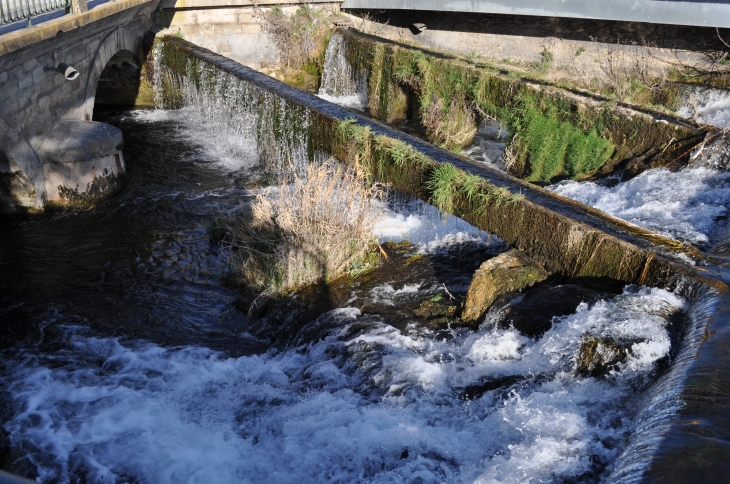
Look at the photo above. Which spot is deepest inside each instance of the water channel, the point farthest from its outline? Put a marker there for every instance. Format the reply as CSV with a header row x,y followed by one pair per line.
x,y
126,357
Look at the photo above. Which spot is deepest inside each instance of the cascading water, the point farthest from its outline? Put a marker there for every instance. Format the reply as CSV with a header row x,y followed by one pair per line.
x,y
691,204
244,121
489,144
706,105
342,83
347,397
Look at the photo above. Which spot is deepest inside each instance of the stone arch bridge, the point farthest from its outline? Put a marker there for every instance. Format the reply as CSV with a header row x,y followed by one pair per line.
x,y
50,150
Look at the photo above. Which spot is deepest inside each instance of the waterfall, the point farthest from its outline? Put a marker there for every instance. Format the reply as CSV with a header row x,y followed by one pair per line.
x,y
342,83
707,105
244,120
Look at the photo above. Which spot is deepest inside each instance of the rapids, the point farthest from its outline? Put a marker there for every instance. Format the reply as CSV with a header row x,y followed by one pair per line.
x,y
134,363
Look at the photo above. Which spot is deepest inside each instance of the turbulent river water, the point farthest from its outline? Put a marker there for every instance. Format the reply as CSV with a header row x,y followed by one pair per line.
x,y
125,358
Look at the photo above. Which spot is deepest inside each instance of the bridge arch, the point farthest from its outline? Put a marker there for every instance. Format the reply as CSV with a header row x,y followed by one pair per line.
x,y
120,42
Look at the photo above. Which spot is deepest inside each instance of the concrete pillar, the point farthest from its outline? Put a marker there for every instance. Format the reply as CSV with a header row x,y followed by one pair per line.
x,y
79,6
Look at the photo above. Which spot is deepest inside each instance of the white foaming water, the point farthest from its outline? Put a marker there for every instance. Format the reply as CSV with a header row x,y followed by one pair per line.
x,y
489,144
684,205
341,83
424,226
366,403
707,105
227,150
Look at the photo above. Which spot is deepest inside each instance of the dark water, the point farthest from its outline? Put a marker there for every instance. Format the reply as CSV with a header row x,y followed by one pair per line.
x,y
140,264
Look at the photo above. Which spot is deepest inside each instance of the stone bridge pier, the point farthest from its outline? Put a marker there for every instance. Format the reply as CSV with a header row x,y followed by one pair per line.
x,y
51,152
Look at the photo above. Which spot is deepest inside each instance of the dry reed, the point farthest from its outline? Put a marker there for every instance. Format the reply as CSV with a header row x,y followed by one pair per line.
x,y
316,229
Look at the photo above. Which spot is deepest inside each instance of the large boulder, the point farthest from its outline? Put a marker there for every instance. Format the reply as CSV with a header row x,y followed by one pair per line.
x,y
508,272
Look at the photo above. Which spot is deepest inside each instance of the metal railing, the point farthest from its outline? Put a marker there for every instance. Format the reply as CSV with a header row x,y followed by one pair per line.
x,y
14,10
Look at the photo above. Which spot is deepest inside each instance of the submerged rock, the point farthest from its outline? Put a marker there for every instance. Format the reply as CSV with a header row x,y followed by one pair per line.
x,y
437,311
597,357
508,272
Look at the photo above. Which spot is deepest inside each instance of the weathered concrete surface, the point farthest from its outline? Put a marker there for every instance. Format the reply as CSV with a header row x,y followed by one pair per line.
x,y
82,162
80,141
232,28
579,47
506,273
33,101
705,13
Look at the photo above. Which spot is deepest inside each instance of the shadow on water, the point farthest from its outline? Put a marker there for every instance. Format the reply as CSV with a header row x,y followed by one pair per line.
x,y
140,264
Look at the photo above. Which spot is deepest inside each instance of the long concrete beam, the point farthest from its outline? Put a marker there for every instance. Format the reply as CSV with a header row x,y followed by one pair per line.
x,y
702,13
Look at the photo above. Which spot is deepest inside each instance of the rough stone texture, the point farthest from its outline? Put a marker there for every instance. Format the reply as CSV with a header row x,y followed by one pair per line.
x,y
508,272
597,357
232,29
71,141
82,162
83,183
33,101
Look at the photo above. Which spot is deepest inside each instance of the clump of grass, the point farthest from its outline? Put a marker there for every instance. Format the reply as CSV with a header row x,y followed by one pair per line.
x,y
317,229
449,186
550,148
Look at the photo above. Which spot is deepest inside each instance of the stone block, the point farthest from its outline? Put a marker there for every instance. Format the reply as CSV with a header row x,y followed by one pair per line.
x,y
44,103
506,273
25,81
30,65
4,76
38,75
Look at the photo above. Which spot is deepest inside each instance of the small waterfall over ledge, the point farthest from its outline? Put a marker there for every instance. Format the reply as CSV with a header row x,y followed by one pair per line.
x,y
342,83
245,121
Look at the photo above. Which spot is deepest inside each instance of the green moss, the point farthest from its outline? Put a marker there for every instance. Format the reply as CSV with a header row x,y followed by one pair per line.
x,y
555,134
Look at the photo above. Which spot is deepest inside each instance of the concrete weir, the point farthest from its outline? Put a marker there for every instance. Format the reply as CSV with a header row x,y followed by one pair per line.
x,y
566,236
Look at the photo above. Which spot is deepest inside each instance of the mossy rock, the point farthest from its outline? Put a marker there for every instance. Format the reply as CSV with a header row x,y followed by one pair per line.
x,y
508,272
597,357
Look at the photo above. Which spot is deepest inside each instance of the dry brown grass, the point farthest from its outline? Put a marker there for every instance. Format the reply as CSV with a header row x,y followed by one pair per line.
x,y
315,229
300,38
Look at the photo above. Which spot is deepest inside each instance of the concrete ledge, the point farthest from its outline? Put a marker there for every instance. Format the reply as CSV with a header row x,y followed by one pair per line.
x,y
706,13
203,4
83,183
82,162
80,141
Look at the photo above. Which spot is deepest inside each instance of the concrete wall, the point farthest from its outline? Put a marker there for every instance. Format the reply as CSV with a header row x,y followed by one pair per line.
x,y
707,13
33,101
579,46
231,27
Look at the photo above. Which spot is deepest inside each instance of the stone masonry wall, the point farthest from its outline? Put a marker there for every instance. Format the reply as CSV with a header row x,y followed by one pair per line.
x,y
32,101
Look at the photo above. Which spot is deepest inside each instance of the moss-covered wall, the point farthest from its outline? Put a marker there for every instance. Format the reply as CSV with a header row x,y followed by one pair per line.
x,y
567,238
554,133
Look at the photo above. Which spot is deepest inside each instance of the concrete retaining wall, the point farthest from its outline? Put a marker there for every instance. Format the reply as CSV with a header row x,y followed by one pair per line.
x,y
232,28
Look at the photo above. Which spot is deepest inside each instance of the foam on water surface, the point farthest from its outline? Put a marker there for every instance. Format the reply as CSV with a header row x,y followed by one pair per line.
x,y
685,205
426,227
365,403
707,105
